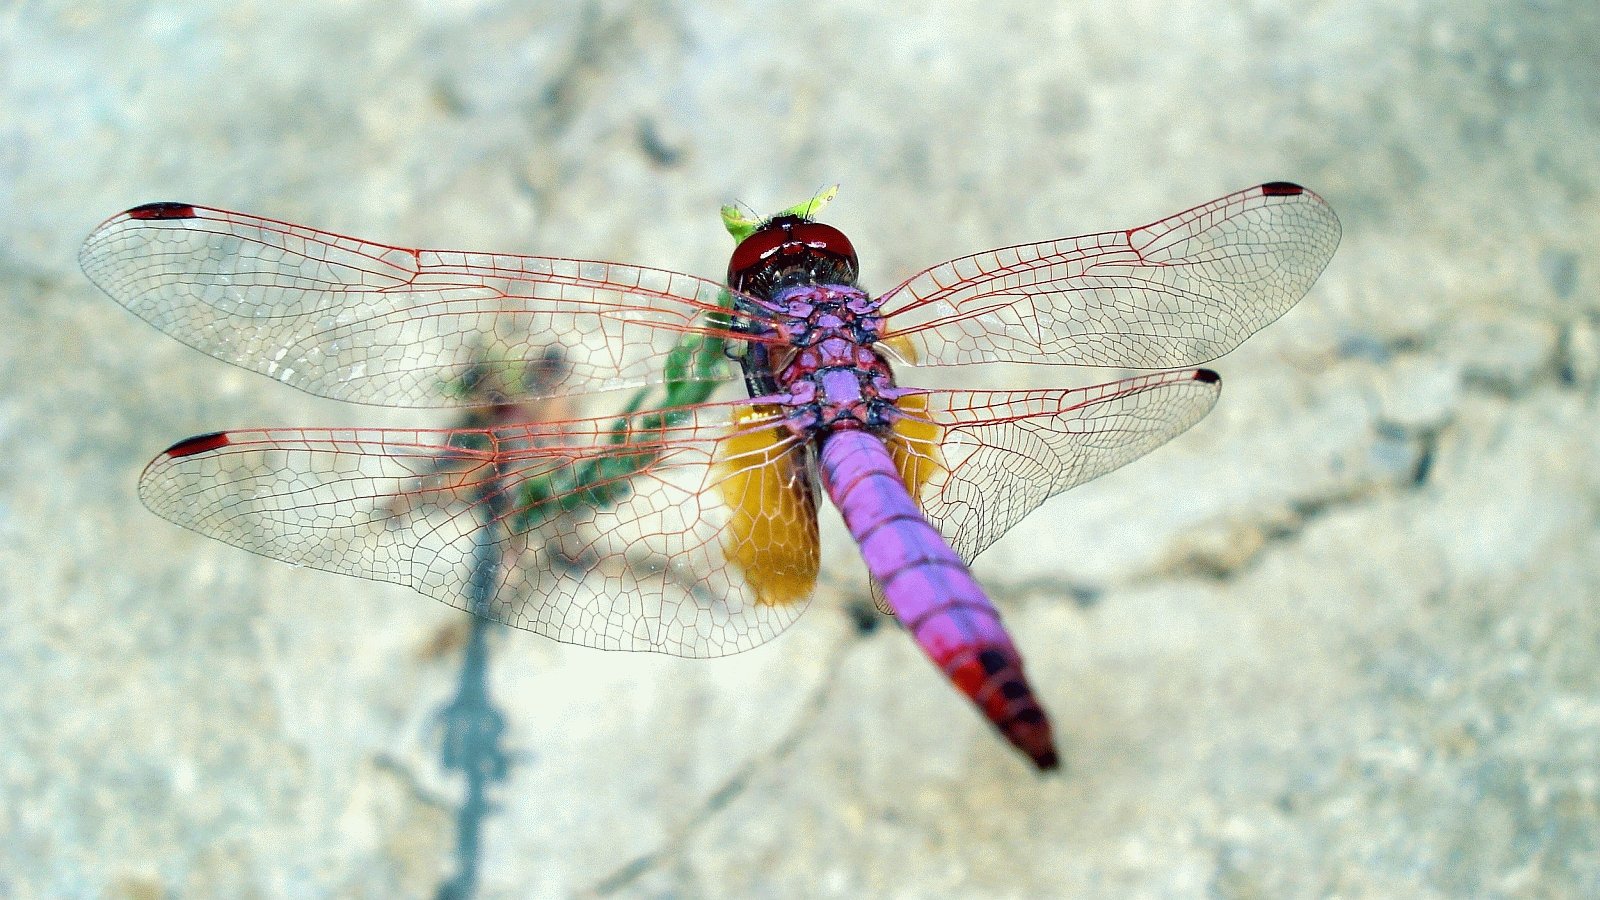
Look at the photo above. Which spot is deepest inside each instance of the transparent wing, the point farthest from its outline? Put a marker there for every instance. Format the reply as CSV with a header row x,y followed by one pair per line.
x,y
981,460
1177,292
691,533
354,320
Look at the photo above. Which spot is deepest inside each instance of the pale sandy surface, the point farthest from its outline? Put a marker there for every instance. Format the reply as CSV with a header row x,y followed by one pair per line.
x,y
1344,636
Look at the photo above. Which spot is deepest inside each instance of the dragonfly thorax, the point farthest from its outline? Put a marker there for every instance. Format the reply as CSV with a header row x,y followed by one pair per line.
x,y
809,314
835,377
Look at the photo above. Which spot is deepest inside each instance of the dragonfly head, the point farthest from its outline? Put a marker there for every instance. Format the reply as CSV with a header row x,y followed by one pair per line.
x,y
791,249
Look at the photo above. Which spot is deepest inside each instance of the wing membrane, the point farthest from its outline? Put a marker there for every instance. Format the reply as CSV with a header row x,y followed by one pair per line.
x,y
985,459
354,320
642,543
1178,292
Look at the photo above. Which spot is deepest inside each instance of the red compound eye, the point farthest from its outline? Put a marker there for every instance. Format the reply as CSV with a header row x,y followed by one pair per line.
x,y
825,239
754,252
786,242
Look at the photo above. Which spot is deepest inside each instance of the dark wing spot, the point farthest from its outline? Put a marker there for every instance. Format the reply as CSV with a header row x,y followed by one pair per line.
x,y
162,211
200,443
1282,189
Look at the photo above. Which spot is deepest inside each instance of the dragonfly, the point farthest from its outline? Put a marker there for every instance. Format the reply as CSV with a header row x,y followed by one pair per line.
x,y
689,525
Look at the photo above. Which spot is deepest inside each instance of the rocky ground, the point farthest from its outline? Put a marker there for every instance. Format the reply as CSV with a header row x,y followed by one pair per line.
x,y
1341,638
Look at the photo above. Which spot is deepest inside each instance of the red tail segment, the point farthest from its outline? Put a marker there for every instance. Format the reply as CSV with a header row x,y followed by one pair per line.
x,y
931,591
992,676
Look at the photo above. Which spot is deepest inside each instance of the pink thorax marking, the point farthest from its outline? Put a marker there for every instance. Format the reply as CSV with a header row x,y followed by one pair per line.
x,y
836,378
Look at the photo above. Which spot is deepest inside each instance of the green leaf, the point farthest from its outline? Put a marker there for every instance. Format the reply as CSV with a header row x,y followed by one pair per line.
x,y
741,226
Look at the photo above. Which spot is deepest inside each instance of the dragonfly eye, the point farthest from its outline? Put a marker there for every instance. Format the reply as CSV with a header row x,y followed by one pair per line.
x,y
824,239
788,243
753,254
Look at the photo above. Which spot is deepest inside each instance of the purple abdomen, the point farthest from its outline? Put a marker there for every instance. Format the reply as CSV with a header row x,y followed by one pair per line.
x,y
931,591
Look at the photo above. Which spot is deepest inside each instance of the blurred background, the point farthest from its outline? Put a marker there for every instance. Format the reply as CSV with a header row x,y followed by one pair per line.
x,y
1340,638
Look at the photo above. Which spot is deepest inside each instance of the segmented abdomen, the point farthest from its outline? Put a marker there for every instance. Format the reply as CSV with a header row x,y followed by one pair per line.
x,y
931,591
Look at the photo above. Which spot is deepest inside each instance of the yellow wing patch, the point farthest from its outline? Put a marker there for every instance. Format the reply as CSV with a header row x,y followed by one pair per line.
x,y
901,346
914,441
914,445
772,536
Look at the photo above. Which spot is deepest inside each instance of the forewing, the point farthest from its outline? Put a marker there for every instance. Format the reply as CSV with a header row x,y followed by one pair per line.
x,y
354,320
643,543
1174,293
978,461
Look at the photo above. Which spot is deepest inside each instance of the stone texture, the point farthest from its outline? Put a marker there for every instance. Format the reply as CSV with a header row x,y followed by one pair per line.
x,y
1341,638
